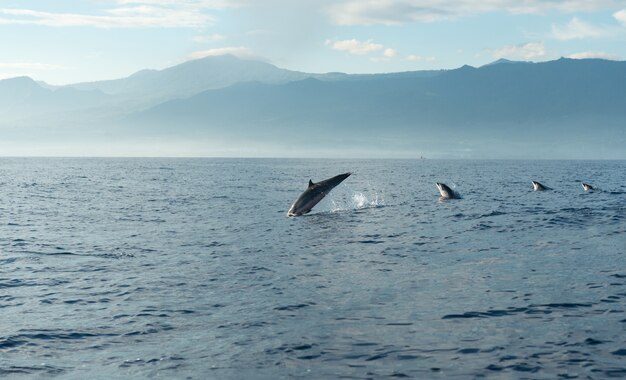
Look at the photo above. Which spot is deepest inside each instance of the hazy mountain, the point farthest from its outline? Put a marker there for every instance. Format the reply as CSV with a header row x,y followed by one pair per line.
x,y
22,97
503,109
192,77
499,93
534,104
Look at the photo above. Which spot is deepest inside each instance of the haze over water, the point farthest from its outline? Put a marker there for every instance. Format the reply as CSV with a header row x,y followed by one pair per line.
x,y
189,268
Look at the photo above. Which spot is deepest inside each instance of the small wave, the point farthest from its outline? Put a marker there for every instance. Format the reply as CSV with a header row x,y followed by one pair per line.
x,y
31,370
293,307
172,362
492,213
531,309
39,337
63,253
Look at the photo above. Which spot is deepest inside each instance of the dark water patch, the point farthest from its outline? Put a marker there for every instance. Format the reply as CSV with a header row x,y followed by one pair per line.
x,y
16,283
7,261
491,214
617,373
408,357
371,241
36,370
19,242
212,244
531,309
382,355
10,342
293,307
51,253
482,226
487,314
301,351
61,335
364,344
12,283
508,358
248,325
116,255
594,342
468,350
37,338
563,305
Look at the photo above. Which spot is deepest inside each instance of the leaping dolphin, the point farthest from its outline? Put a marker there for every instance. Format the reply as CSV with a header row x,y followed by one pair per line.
x,y
314,194
445,191
587,187
539,187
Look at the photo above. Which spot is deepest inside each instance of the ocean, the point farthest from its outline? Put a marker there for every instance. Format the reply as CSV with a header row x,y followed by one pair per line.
x,y
190,269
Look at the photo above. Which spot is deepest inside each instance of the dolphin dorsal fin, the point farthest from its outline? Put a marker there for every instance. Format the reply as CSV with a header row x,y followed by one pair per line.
x,y
311,183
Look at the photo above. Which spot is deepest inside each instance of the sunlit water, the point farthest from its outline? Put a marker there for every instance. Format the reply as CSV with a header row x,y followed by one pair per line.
x,y
175,268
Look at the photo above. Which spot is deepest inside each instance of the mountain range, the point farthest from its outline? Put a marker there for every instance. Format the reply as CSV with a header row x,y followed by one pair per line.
x,y
228,106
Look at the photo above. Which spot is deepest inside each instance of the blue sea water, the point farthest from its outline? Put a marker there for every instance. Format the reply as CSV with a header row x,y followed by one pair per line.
x,y
190,268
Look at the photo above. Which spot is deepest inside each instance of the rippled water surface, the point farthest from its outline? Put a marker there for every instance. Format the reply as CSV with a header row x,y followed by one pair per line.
x,y
176,268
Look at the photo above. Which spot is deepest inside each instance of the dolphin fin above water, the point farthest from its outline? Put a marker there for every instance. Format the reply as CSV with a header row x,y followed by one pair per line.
x,y
314,193
445,191
587,187
539,187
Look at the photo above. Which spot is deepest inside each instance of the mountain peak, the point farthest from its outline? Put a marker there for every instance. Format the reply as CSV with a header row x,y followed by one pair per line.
x,y
503,61
192,77
21,79
19,84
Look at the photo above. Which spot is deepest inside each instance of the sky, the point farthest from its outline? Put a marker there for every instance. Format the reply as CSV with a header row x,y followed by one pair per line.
x,y
70,41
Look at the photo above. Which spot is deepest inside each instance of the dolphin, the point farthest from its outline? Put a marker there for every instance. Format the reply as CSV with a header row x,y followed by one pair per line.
x,y
445,191
587,187
539,187
314,193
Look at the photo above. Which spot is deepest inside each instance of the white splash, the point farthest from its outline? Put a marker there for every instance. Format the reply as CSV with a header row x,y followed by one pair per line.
x,y
358,201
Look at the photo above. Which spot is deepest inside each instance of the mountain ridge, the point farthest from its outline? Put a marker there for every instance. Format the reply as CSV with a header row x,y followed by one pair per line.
x,y
494,109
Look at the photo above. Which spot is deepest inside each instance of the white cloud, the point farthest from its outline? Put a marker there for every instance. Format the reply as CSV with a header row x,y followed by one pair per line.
x,y
577,29
415,58
241,52
355,47
390,12
390,53
213,4
126,14
525,51
620,16
594,54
